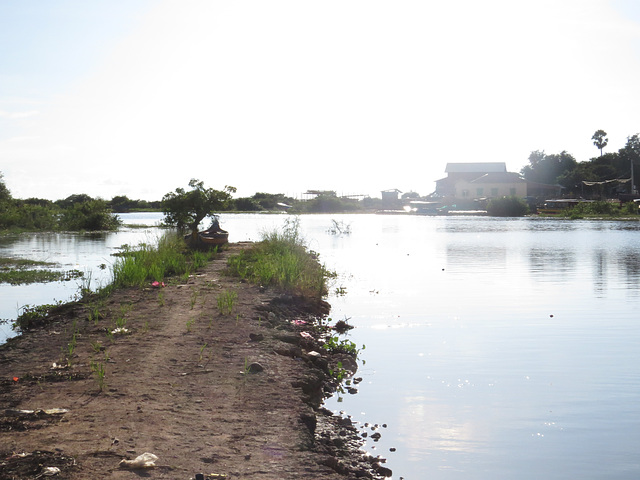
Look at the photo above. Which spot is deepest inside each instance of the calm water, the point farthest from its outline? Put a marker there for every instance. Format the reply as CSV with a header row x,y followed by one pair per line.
x,y
495,349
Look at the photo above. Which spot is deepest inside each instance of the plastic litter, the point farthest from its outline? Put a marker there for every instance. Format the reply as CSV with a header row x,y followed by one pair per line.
x,y
146,460
50,471
34,413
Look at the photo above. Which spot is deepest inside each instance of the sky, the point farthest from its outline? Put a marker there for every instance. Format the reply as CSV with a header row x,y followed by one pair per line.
x,y
136,97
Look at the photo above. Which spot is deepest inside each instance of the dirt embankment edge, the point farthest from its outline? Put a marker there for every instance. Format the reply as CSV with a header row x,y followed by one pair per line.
x,y
229,394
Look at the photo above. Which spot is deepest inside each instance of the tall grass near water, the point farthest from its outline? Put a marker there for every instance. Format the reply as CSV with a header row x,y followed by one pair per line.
x,y
147,263
282,260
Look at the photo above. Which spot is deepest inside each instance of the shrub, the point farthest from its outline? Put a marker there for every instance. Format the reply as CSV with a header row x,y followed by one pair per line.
x,y
507,207
89,215
593,208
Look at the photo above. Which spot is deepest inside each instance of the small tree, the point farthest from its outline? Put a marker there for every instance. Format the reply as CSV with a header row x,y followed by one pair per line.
x,y
5,194
186,209
600,139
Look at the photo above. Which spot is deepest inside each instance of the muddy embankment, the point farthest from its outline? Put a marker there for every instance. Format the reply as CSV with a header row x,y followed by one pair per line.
x,y
226,393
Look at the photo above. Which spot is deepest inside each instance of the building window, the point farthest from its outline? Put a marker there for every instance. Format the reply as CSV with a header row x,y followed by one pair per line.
x,y
494,192
479,191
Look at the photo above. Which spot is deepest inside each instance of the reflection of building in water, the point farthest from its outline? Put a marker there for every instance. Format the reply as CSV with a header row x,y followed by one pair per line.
x,y
551,262
487,256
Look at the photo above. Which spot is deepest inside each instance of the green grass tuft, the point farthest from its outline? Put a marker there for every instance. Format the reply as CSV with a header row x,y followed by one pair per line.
x,y
282,260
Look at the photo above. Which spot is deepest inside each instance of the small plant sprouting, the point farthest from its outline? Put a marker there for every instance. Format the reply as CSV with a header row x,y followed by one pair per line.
x,y
202,349
97,346
190,324
94,314
247,367
110,335
161,298
71,347
226,301
194,298
121,322
99,371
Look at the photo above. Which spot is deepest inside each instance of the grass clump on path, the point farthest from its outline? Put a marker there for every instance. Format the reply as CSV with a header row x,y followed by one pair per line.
x,y
282,260
146,263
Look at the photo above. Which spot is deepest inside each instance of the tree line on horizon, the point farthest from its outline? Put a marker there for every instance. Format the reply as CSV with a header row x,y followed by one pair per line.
x,y
563,169
82,212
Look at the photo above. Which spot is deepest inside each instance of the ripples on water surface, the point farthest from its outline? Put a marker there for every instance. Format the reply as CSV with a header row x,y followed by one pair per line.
x,y
495,348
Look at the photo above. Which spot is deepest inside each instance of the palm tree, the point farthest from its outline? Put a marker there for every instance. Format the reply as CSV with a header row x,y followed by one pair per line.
x,y
600,139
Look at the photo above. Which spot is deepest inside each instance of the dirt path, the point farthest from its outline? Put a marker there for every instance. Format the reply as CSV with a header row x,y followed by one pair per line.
x,y
184,383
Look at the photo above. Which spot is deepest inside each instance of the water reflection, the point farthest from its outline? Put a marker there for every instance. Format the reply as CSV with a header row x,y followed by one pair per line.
x,y
548,263
487,256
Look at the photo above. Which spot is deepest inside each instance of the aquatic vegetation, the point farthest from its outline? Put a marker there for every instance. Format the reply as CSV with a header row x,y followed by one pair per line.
x,y
335,345
340,291
32,316
19,271
339,228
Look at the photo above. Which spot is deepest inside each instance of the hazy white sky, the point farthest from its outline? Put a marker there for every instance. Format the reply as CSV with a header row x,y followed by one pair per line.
x,y
135,97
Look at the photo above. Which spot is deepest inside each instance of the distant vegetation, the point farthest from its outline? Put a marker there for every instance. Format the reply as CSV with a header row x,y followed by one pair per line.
x,y
323,202
606,176
77,212
601,209
184,208
563,169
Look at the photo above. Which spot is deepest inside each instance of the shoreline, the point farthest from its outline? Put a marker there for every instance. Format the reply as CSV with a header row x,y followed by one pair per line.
x,y
235,394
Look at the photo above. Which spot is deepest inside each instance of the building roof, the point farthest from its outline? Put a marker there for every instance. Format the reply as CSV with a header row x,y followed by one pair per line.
x,y
502,177
478,167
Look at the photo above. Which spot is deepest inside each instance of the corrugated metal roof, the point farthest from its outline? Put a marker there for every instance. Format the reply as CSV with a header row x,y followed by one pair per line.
x,y
478,167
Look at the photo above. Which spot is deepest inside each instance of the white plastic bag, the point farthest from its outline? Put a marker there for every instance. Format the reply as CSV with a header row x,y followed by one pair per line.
x,y
146,460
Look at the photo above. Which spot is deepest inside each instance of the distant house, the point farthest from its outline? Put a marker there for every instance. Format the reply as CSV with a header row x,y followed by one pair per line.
x,y
390,198
469,181
390,195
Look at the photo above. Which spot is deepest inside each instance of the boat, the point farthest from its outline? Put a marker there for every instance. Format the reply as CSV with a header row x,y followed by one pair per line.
x,y
420,207
557,206
212,237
